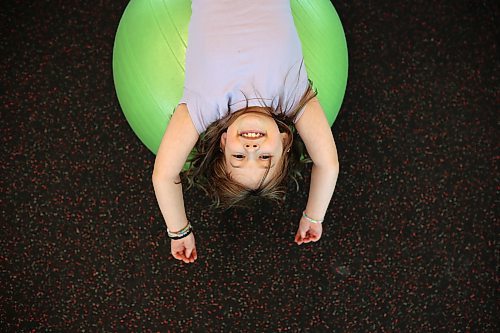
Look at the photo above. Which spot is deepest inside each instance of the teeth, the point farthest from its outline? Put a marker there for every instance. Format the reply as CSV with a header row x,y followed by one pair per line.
x,y
251,135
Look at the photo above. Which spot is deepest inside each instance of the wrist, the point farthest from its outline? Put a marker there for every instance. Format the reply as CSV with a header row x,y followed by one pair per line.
x,y
181,233
311,219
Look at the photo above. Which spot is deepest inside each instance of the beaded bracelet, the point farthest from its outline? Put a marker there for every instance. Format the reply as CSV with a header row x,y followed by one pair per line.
x,y
185,235
304,215
181,233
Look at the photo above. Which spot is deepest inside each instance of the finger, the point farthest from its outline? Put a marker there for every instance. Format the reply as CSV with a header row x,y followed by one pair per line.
x,y
188,253
307,239
195,254
190,258
178,255
303,234
298,239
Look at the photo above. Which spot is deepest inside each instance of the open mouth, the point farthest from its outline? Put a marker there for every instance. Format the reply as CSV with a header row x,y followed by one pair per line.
x,y
252,134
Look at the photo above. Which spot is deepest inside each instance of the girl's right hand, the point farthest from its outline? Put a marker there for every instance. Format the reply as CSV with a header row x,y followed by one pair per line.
x,y
184,249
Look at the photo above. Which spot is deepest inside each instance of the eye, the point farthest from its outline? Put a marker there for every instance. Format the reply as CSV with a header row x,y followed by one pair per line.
x,y
265,157
238,156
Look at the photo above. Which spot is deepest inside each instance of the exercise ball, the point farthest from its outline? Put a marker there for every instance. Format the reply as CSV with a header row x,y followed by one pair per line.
x,y
149,58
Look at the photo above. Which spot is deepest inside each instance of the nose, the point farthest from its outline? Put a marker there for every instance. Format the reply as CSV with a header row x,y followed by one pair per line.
x,y
251,146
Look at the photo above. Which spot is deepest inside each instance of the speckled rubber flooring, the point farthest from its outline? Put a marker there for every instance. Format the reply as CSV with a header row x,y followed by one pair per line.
x,y
409,239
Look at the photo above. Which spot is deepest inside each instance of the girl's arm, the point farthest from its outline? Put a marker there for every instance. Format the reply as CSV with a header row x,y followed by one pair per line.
x,y
177,142
317,135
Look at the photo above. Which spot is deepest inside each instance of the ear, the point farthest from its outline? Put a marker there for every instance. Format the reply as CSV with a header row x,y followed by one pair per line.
x,y
284,137
223,139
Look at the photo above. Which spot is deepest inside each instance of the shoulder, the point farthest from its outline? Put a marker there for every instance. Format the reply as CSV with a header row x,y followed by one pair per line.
x,y
179,139
316,133
181,114
181,123
313,115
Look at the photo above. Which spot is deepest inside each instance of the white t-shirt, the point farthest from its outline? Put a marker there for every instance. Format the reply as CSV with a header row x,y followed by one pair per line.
x,y
241,48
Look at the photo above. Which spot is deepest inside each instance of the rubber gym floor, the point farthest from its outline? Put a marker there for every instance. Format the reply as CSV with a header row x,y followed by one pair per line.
x,y
409,241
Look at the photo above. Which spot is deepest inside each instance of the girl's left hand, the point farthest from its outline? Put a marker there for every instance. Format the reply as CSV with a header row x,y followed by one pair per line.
x,y
308,232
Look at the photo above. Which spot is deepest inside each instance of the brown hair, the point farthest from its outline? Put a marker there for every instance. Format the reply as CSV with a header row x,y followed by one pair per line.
x,y
207,168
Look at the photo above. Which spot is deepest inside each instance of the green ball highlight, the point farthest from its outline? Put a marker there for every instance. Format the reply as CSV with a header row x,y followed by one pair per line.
x,y
150,49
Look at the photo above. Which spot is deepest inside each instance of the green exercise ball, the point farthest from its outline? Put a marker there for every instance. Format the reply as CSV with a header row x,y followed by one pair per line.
x,y
149,58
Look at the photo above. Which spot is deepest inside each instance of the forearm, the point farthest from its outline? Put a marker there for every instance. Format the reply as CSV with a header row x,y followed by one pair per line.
x,y
170,199
323,181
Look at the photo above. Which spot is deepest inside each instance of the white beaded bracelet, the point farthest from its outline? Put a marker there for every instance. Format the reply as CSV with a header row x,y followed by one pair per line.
x,y
304,215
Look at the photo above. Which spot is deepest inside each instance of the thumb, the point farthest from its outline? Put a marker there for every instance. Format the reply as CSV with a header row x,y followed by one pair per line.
x,y
303,233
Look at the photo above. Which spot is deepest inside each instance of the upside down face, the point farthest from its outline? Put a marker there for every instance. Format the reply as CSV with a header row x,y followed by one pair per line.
x,y
251,145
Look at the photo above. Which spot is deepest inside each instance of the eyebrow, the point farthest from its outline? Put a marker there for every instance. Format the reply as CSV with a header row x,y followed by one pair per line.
x,y
262,167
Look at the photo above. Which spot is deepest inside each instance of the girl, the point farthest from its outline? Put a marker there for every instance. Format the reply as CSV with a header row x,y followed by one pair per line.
x,y
246,100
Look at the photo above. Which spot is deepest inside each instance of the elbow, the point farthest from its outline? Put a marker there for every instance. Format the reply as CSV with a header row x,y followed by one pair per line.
x,y
327,171
156,175
334,167
329,165
160,176
334,163
156,178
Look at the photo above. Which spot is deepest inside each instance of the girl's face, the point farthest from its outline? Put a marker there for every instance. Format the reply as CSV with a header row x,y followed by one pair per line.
x,y
251,143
